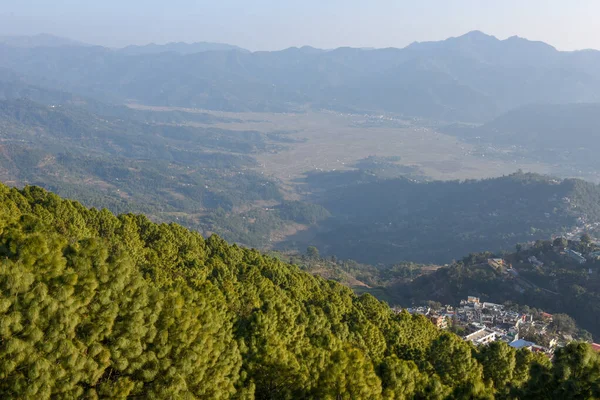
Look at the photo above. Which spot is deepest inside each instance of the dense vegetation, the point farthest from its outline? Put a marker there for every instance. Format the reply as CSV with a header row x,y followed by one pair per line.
x,y
98,306
386,221
354,274
257,227
367,170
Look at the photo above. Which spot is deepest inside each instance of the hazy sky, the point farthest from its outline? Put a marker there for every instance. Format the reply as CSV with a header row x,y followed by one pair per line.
x,y
276,24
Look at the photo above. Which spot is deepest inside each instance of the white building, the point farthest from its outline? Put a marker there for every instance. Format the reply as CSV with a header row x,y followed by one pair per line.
x,y
482,336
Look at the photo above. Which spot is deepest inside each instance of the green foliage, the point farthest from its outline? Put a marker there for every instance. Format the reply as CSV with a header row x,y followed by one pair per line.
x,y
303,213
98,306
560,243
312,252
574,374
452,359
499,362
384,221
563,323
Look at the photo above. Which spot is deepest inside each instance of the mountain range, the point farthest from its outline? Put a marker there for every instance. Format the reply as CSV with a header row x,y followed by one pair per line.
x,y
473,78
40,40
179,48
156,310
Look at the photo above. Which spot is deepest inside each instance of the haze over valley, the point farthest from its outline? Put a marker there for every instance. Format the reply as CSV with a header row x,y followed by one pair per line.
x,y
218,138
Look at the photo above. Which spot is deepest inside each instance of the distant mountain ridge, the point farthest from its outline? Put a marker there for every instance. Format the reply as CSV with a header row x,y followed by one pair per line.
x,y
474,77
486,48
547,125
563,134
180,48
40,40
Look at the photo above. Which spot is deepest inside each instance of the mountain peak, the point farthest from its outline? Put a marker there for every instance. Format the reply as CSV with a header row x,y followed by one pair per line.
x,y
469,38
477,35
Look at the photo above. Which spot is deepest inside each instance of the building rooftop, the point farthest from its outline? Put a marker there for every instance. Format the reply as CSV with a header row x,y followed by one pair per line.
x,y
521,343
480,334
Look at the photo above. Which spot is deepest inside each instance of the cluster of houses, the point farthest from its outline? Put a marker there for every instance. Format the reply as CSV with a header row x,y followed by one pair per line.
x,y
485,322
571,254
482,322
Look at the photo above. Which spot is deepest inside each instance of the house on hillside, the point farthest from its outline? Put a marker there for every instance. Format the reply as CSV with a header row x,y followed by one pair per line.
x,y
522,344
533,260
439,321
595,255
576,256
422,310
497,264
596,347
511,318
493,306
546,316
482,336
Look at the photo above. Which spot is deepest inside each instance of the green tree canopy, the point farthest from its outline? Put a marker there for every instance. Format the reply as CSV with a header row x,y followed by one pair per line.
x,y
98,306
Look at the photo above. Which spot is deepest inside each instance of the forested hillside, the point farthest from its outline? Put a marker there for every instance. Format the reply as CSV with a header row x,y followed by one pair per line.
x,y
98,306
133,160
386,221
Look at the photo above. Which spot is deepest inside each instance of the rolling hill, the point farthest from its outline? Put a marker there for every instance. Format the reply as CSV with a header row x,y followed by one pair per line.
x,y
386,221
123,164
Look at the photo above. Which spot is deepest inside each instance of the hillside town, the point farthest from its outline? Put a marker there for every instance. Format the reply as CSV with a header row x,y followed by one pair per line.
x,y
481,323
